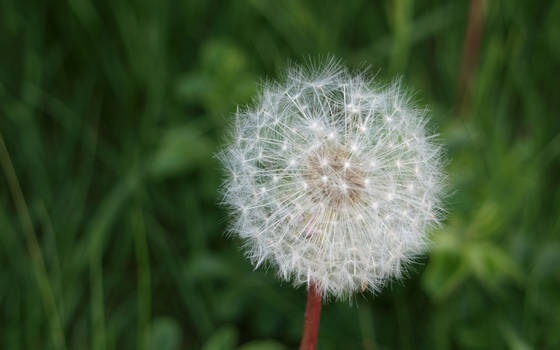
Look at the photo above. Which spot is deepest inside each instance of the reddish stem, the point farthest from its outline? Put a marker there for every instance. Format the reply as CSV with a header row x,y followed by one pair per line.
x,y
471,50
312,318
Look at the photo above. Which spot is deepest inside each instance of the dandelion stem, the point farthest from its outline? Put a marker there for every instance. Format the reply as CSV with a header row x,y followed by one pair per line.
x,y
312,318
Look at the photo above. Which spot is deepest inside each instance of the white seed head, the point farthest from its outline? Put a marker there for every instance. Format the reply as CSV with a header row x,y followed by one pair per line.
x,y
332,180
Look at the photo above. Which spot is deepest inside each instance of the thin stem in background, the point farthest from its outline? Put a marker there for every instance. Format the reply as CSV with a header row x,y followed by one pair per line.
x,y
471,51
312,318
144,290
33,248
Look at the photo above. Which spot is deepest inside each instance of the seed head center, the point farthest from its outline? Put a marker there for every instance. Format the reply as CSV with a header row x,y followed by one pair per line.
x,y
336,175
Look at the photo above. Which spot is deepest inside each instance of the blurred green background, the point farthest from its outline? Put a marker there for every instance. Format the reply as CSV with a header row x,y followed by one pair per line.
x,y
111,111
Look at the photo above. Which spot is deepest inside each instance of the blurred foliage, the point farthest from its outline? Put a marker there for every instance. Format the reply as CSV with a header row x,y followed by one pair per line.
x,y
111,112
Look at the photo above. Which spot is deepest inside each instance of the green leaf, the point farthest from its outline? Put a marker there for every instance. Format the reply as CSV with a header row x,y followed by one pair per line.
x,y
224,339
444,274
514,340
181,149
491,264
165,334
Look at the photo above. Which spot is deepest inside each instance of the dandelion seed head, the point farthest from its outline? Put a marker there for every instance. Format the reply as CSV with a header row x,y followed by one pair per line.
x,y
333,180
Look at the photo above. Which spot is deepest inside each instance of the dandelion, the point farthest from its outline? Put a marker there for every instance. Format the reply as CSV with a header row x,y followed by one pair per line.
x,y
333,181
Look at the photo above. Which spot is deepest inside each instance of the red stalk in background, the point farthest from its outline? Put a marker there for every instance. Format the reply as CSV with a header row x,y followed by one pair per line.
x,y
471,50
312,318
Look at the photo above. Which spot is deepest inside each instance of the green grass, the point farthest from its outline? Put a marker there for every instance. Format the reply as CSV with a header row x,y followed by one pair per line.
x,y
110,232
